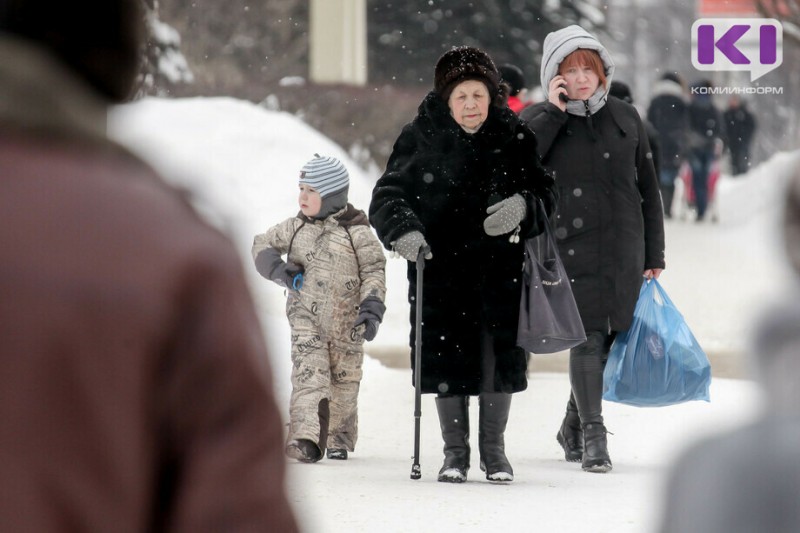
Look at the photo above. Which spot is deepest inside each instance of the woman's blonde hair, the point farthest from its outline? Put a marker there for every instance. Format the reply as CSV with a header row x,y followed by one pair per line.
x,y
583,56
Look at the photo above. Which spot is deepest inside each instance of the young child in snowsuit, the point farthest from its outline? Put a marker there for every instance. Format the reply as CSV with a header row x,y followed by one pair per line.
x,y
335,281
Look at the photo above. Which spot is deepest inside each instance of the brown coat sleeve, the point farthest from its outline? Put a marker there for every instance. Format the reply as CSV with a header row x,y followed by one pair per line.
x,y
226,434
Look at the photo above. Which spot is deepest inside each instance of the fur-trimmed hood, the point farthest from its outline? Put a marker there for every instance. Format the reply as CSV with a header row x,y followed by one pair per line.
x,y
669,87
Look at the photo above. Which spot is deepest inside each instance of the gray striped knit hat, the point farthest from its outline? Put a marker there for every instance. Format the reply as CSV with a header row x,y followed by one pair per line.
x,y
325,174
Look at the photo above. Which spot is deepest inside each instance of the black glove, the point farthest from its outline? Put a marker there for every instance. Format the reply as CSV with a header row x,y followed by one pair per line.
x,y
270,265
370,314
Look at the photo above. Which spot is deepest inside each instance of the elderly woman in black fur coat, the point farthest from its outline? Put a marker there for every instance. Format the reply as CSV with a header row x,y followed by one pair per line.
x,y
464,179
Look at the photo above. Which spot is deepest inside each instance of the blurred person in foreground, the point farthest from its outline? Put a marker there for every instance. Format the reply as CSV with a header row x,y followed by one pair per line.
x,y
135,388
464,177
609,223
748,479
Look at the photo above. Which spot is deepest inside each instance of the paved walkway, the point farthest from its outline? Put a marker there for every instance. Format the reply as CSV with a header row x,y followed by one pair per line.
x,y
723,364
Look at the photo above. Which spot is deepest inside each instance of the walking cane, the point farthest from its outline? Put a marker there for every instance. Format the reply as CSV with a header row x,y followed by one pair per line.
x,y
416,472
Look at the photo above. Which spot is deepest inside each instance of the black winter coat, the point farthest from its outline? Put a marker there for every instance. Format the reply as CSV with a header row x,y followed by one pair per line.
x,y
739,126
439,180
654,139
669,115
705,125
609,222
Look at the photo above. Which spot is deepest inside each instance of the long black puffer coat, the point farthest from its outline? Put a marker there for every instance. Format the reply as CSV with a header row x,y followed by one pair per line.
x,y
609,222
669,114
439,180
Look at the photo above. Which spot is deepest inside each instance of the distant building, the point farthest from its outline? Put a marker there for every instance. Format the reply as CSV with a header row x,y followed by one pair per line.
x,y
338,42
726,8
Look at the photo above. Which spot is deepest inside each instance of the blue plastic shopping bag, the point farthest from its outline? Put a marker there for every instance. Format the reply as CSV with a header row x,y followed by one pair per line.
x,y
657,361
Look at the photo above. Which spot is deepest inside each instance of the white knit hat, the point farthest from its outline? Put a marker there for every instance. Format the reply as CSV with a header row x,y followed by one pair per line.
x,y
325,174
559,44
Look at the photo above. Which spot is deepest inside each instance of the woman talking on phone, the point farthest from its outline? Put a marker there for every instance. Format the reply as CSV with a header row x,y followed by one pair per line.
x,y
609,222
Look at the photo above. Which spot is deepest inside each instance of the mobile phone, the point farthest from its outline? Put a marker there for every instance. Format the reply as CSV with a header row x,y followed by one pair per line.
x,y
561,96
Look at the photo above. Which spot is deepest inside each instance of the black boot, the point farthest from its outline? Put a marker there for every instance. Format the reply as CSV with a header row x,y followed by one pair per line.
x,y
454,421
306,450
337,453
570,436
492,421
586,377
595,454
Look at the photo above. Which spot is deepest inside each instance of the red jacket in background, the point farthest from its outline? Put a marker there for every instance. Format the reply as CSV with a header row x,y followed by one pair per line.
x,y
516,104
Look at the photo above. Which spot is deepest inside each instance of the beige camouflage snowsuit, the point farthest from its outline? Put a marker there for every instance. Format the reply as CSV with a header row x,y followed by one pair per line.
x,y
344,263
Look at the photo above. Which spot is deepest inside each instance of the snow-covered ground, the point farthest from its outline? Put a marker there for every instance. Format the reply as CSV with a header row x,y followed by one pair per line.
x,y
242,163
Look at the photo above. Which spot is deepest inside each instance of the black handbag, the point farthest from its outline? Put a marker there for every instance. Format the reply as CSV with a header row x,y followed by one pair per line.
x,y
549,321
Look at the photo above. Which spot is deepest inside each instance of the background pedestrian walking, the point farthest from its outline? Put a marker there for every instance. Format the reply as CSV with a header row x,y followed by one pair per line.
x,y
705,136
668,112
740,127
515,78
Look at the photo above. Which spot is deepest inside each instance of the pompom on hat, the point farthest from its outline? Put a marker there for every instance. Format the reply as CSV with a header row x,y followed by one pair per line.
x,y
467,63
327,175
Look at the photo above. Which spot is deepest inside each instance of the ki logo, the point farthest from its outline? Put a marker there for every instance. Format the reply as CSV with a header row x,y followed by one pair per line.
x,y
730,44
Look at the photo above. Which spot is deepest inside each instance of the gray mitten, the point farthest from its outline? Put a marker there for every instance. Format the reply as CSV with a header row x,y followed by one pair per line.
x,y
409,245
286,274
505,216
370,314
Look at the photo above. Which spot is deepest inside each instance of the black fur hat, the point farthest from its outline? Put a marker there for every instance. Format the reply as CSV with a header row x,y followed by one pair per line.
x,y
100,40
514,76
468,63
674,77
621,90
